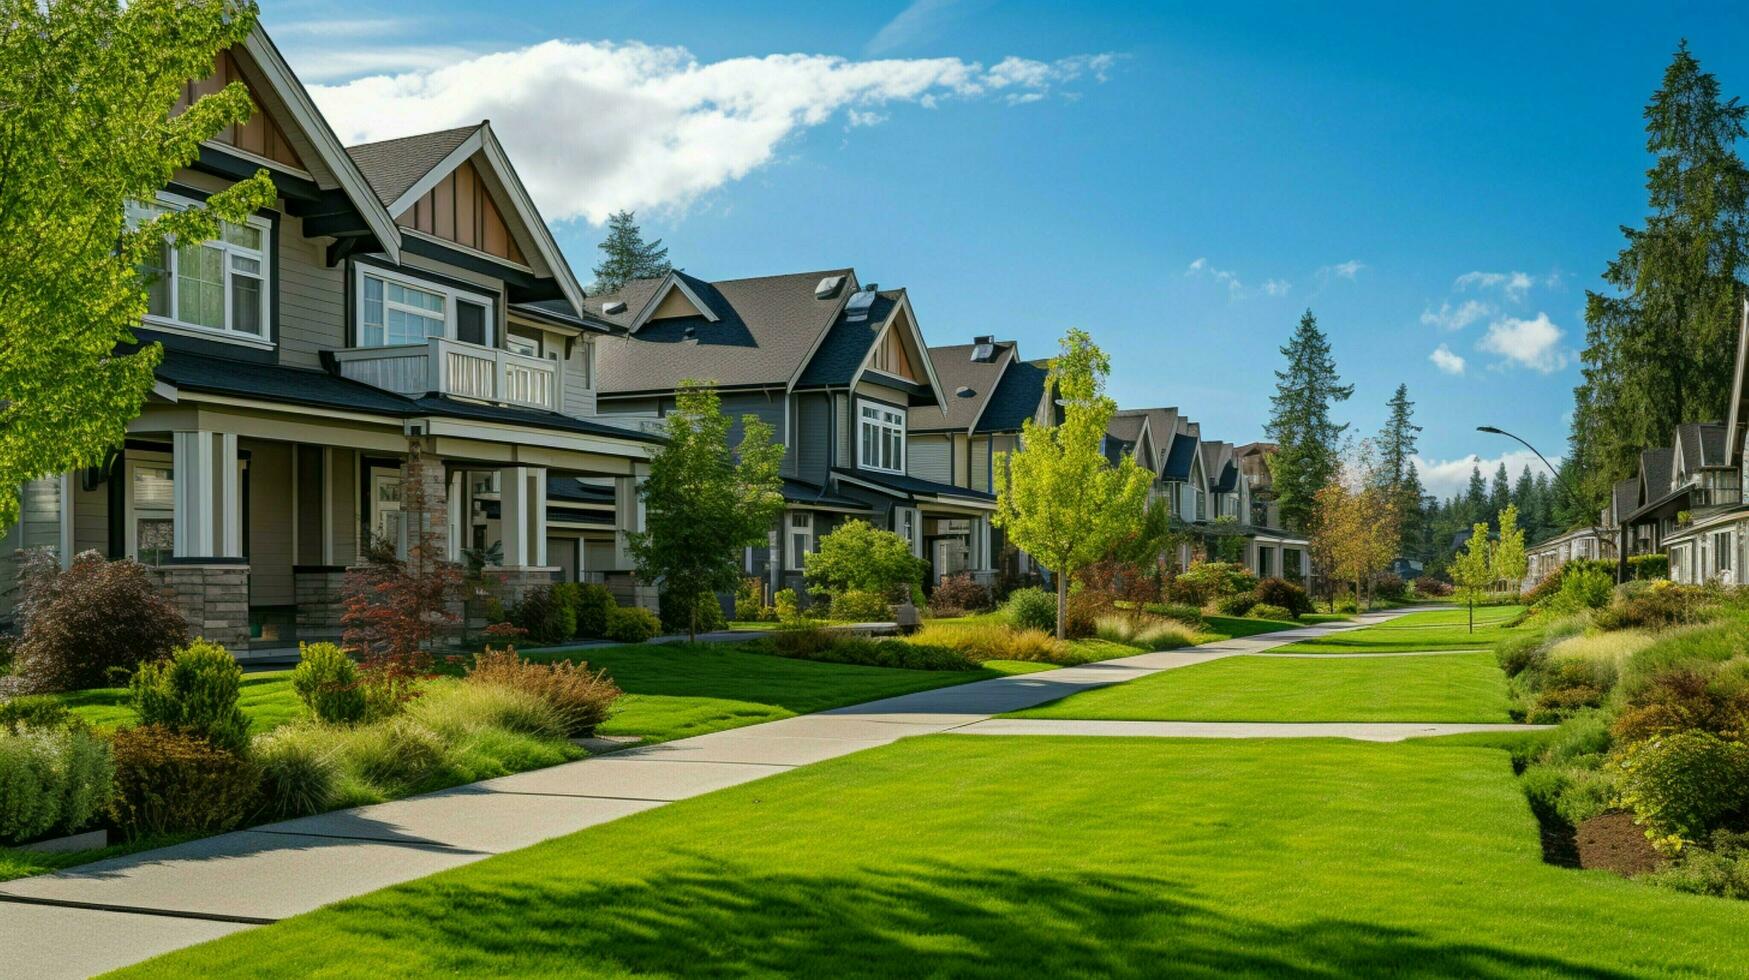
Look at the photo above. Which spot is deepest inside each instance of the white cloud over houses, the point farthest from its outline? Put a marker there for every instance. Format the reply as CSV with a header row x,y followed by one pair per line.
x,y
1200,269
1449,317
1450,477
1447,362
1513,285
1532,343
597,126
1349,270
1276,287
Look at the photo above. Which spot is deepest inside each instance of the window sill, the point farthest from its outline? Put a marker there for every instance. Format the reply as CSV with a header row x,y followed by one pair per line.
x,y
877,469
205,333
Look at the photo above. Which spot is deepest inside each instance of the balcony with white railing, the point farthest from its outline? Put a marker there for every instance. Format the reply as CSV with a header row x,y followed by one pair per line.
x,y
462,370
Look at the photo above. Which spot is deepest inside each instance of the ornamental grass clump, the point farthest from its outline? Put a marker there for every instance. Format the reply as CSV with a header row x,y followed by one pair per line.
x,y
1144,632
979,642
580,698
454,711
300,771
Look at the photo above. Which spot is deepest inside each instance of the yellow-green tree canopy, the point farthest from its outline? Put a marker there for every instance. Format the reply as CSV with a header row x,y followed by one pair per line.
x,y
1473,570
1058,497
1509,562
87,89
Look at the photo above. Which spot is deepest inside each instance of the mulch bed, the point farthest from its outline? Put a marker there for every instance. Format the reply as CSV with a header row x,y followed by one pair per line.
x,y
1613,842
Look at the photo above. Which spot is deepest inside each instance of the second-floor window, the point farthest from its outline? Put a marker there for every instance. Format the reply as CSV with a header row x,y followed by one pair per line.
x,y
881,439
220,286
395,310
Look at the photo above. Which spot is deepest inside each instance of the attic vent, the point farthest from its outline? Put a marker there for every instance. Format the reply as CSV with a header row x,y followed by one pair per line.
x,y
857,309
828,287
964,391
983,349
612,307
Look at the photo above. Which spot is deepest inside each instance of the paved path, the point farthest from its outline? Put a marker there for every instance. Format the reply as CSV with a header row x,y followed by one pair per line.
x,y
1370,731
109,914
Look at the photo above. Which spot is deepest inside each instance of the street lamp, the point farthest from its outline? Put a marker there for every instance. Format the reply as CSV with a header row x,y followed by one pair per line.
x,y
1566,485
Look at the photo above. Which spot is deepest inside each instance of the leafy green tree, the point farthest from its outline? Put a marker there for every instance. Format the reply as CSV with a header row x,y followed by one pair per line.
x,y
87,92
858,557
1472,570
704,503
1659,341
1508,561
1058,497
626,256
1300,423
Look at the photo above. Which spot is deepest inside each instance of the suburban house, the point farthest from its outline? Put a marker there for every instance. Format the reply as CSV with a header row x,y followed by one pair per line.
x,y
1275,548
1167,443
840,372
398,327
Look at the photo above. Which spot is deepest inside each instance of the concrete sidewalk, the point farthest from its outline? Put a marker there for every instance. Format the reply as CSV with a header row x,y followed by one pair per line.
x,y
109,914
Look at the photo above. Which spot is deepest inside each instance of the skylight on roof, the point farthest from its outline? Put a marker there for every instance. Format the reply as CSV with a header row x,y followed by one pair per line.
x,y
858,307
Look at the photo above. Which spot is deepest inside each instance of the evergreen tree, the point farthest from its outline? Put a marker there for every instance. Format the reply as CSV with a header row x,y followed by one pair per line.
x,y
1413,514
1397,439
1545,507
1300,423
1500,492
1476,499
1658,345
627,256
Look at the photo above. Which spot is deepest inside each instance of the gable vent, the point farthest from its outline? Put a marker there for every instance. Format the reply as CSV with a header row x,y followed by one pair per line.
x,y
983,349
857,309
828,287
964,391
613,307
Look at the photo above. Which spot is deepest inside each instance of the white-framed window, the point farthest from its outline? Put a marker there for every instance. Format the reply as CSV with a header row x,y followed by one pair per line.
x,y
880,443
907,524
1722,551
394,309
151,507
801,538
219,287
518,344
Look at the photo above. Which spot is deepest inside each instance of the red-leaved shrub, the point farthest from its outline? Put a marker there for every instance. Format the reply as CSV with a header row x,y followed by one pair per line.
x,y
79,625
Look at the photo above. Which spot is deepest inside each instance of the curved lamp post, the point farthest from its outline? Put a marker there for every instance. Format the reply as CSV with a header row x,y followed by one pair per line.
x,y
1566,486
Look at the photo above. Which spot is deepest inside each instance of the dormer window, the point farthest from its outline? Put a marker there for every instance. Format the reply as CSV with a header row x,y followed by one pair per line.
x,y
881,438
216,287
396,310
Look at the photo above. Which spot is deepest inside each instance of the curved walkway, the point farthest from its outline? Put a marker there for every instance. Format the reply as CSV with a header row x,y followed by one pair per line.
x,y
111,913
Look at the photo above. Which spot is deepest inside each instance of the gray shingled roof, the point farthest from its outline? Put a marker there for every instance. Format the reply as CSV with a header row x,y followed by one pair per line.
x,y
906,486
955,369
846,346
1128,428
1218,466
1626,493
1162,425
765,327
1016,397
393,166
1655,470
1703,444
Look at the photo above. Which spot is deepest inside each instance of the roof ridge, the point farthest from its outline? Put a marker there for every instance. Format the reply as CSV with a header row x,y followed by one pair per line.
x,y
414,136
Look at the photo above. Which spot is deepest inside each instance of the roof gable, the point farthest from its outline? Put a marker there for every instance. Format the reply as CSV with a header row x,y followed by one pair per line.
x,y
1018,396
902,322
967,384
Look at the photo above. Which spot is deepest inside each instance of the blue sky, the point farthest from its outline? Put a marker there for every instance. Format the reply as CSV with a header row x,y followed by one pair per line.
x,y
1181,180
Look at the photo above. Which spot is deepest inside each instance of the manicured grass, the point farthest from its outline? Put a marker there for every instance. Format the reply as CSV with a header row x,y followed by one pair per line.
x,y
1441,629
1448,687
675,690
1000,857
1218,628
267,698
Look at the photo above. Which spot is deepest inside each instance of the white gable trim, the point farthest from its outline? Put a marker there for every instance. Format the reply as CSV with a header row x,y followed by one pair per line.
x,y
1734,441
671,282
435,175
904,304
285,84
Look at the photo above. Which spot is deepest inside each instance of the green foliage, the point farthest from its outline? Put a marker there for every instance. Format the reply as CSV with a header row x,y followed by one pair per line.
x,y
1472,570
787,604
457,711
706,501
326,681
1582,589
168,782
88,90
1264,610
96,617
194,693
626,256
396,756
1520,653
300,772
857,557
1207,581
1689,696
32,711
704,614
581,698
51,779
960,592
1300,423
594,601
830,647
1649,566
1683,785
545,615
993,641
750,604
1237,604
1720,868
1058,497
1508,562
632,624
858,606
1567,794
1031,608
1663,605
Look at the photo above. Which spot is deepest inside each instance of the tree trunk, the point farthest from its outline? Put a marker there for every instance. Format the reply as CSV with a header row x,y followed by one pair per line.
x,y
1472,612
1062,605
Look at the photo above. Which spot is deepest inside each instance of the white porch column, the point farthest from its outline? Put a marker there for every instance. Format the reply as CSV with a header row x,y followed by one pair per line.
x,y
628,517
230,484
513,514
981,533
537,508
457,483
192,509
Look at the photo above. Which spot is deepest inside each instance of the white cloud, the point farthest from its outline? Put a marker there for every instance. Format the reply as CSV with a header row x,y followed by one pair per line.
x,y
1201,268
595,127
1349,270
1514,285
1529,343
1448,362
1276,287
1447,478
1449,317
919,21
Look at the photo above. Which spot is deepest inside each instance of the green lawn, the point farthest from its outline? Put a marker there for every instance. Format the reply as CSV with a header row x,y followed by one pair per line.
x,y
1450,687
1441,629
675,690
267,698
1000,857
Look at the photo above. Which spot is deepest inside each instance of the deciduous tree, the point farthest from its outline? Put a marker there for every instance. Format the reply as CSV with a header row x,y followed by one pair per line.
x,y
1508,562
1472,570
1058,497
87,92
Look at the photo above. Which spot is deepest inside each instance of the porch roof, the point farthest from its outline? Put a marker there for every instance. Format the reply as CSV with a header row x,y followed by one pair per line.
x,y
911,488
799,492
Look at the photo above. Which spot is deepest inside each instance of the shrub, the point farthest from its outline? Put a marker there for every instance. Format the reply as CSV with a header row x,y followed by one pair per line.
x,y
1287,595
632,624
677,615
1145,632
788,605
801,641
1391,588
1582,740
95,617
1032,609
581,698
1085,608
1556,703
1264,610
1720,868
195,692
1649,566
51,778
1681,786
1683,697
594,603
33,711
1432,588
326,681
1572,794
1172,610
1517,654
750,604
455,711
993,641
545,615
1544,589
1583,587
1665,604
960,592
396,756
857,606
300,771
856,557
1237,604
827,647
167,782
1206,581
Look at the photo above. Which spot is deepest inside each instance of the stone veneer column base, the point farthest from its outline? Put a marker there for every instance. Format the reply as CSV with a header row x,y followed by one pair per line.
x,y
320,594
214,599
509,584
628,591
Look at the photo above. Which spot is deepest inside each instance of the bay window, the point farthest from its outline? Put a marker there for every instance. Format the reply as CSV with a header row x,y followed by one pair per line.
x,y
881,438
219,286
395,310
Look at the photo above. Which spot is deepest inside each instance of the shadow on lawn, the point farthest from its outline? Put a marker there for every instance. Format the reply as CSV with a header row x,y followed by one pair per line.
x,y
916,919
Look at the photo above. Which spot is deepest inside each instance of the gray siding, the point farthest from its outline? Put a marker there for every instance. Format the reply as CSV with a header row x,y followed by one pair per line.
x,y
841,423
631,406
91,518
979,466
769,408
930,458
580,380
813,437
312,310
270,522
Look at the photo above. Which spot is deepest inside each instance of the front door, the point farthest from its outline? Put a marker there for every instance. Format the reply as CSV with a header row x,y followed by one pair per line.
x,y
385,507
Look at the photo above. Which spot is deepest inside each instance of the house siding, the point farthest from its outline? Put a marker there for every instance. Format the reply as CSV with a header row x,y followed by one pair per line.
x,y
312,298
813,437
841,425
270,523
768,407
580,380
979,477
930,458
